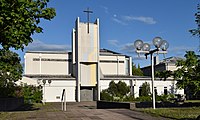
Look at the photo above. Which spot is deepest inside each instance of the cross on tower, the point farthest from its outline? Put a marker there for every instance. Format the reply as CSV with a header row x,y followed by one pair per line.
x,y
88,11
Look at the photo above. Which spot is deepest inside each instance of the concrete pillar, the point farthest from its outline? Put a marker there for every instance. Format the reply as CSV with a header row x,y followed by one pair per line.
x,y
98,65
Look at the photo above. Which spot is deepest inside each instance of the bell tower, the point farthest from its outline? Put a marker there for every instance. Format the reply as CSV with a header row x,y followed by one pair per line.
x,y
85,52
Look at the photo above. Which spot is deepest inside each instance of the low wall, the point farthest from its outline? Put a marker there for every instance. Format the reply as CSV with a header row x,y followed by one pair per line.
x,y
127,105
114,105
9,104
166,104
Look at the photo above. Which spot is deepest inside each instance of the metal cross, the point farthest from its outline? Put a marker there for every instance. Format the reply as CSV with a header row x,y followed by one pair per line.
x,y
88,11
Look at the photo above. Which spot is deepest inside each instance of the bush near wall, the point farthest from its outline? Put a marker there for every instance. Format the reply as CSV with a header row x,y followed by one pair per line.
x,y
116,92
32,94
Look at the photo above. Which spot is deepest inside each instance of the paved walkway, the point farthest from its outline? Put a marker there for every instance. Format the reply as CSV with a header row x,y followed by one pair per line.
x,y
78,111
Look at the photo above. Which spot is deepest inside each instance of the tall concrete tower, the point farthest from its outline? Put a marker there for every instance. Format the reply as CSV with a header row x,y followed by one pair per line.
x,y
85,58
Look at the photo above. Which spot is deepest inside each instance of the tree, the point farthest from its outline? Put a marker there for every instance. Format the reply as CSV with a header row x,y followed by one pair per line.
x,y
10,71
19,20
112,89
188,73
164,74
145,89
10,67
119,90
122,88
136,70
196,31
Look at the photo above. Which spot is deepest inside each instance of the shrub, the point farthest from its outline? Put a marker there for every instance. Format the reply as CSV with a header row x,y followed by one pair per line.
x,y
164,98
129,98
115,92
144,98
145,89
32,94
106,96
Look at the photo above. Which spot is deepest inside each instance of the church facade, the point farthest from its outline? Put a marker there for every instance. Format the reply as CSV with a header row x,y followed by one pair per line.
x,y
85,71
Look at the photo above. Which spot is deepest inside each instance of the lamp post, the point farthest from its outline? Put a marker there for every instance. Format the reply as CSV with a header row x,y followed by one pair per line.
x,y
161,48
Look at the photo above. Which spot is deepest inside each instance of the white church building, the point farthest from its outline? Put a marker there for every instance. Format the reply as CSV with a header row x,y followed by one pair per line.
x,y
85,71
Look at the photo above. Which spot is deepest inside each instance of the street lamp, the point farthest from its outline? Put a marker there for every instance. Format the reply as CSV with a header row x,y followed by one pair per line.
x,y
161,48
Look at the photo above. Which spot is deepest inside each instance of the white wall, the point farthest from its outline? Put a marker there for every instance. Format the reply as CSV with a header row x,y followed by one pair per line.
x,y
159,84
27,80
112,65
53,92
54,64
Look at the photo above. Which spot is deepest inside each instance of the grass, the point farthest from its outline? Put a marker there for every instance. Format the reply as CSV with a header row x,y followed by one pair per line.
x,y
175,113
14,115
26,113
192,101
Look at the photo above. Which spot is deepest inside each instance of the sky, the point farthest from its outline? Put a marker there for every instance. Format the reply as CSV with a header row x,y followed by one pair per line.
x,y
121,23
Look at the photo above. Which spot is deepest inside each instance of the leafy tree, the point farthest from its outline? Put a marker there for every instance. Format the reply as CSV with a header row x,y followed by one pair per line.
x,y
145,89
122,88
112,89
10,67
196,31
119,90
19,20
164,74
10,72
188,73
136,70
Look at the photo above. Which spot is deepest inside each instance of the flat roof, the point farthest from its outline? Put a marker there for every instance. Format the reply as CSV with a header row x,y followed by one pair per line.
x,y
49,52
107,52
130,77
46,76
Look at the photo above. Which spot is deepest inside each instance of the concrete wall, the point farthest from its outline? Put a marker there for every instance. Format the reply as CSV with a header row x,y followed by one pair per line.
x,y
28,81
112,65
159,67
159,85
53,92
86,43
88,74
47,63
171,67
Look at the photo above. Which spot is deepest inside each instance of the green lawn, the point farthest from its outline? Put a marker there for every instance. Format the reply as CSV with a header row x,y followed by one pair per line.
x,y
175,113
193,101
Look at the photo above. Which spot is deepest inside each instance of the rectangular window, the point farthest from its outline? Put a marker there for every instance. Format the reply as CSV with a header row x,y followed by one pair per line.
x,y
110,61
48,59
165,90
127,66
140,91
57,97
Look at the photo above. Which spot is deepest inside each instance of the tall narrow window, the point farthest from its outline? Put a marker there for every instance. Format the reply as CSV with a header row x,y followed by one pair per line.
x,y
140,91
165,90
